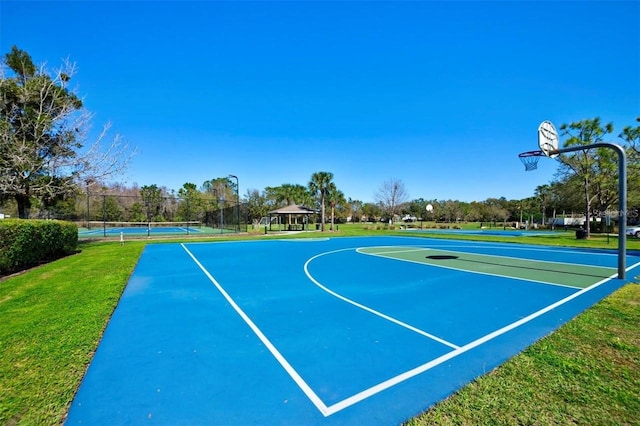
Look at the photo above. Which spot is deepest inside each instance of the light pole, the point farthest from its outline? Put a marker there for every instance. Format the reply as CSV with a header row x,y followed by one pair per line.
x,y
88,182
221,208
215,192
237,202
222,215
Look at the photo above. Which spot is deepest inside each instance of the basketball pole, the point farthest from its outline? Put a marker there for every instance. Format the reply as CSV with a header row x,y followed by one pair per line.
x,y
622,197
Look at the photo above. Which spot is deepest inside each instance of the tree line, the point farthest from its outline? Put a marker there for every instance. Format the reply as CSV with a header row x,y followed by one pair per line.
x,y
50,168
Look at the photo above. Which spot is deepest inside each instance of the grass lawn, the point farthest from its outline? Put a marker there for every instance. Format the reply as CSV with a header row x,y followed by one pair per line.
x,y
52,317
586,373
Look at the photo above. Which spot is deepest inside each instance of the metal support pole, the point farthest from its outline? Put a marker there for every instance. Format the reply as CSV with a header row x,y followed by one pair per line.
x,y
237,202
104,214
188,217
88,224
222,215
88,182
622,197
215,192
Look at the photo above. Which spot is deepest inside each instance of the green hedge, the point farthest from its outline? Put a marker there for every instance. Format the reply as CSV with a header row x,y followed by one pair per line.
x,y
25,243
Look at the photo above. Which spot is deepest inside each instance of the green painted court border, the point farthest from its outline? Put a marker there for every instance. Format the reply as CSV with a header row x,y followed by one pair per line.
x,y
540,271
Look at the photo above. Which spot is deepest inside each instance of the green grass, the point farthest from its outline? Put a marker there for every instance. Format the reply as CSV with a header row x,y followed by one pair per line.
x,y
588,372
52,317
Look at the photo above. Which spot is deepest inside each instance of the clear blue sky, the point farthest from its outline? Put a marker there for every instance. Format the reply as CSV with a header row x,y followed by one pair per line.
x,y
440,95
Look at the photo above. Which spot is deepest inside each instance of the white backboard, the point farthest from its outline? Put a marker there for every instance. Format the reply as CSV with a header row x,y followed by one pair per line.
x,y
548,139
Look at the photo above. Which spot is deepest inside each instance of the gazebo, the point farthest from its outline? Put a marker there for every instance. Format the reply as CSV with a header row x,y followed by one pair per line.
x,y
292,213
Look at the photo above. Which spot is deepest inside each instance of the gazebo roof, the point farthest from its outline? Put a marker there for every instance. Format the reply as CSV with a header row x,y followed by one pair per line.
x,y
293,209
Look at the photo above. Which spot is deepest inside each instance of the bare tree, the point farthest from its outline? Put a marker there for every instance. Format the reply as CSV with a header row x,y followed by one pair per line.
x,y
391,195
45,148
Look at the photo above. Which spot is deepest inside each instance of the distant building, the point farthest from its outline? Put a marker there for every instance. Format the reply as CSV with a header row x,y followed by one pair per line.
x,y
567,221
409,218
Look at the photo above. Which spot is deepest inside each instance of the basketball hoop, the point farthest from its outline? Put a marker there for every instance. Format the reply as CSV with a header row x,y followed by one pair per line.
x,y
530,159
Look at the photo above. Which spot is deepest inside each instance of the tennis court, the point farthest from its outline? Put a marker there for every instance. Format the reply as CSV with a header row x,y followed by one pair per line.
x,y
141,229
367,330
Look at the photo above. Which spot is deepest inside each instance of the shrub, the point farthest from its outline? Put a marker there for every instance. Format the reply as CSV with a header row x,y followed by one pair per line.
x,y
25,243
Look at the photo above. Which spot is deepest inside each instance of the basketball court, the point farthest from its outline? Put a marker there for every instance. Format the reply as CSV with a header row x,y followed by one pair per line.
x,y
367,330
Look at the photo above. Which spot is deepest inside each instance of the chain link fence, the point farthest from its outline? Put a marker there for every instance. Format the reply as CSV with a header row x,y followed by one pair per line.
x,y
106,215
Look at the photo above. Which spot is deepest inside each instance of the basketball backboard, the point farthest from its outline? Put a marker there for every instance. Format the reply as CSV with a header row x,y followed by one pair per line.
x,y
548,139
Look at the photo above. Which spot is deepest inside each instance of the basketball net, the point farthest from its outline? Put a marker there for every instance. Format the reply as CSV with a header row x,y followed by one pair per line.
x,y
530,159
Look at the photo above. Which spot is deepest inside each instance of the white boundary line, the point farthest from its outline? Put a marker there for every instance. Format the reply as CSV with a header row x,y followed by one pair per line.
x,y
465,270
303,240
313,397
347,402
493,245
191,229
427,366
366,308
530,260
360,396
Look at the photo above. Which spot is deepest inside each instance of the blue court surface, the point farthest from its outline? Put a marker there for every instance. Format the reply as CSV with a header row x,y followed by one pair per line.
x,y
340,331
138,231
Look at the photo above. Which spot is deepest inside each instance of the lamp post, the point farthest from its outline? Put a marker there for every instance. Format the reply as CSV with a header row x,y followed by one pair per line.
x,y
223,201
237,202
88,182
221,208
215,192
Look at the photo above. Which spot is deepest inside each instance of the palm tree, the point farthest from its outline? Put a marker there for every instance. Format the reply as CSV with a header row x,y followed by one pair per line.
x,y
287,194
293,193
319,185
335,197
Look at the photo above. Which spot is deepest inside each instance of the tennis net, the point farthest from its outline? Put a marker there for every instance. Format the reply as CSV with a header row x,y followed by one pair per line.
x,y
143,228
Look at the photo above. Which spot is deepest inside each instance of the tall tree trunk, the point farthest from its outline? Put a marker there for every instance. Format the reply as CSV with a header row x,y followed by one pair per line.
x,y
322,210
24,204
332,215
587,208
